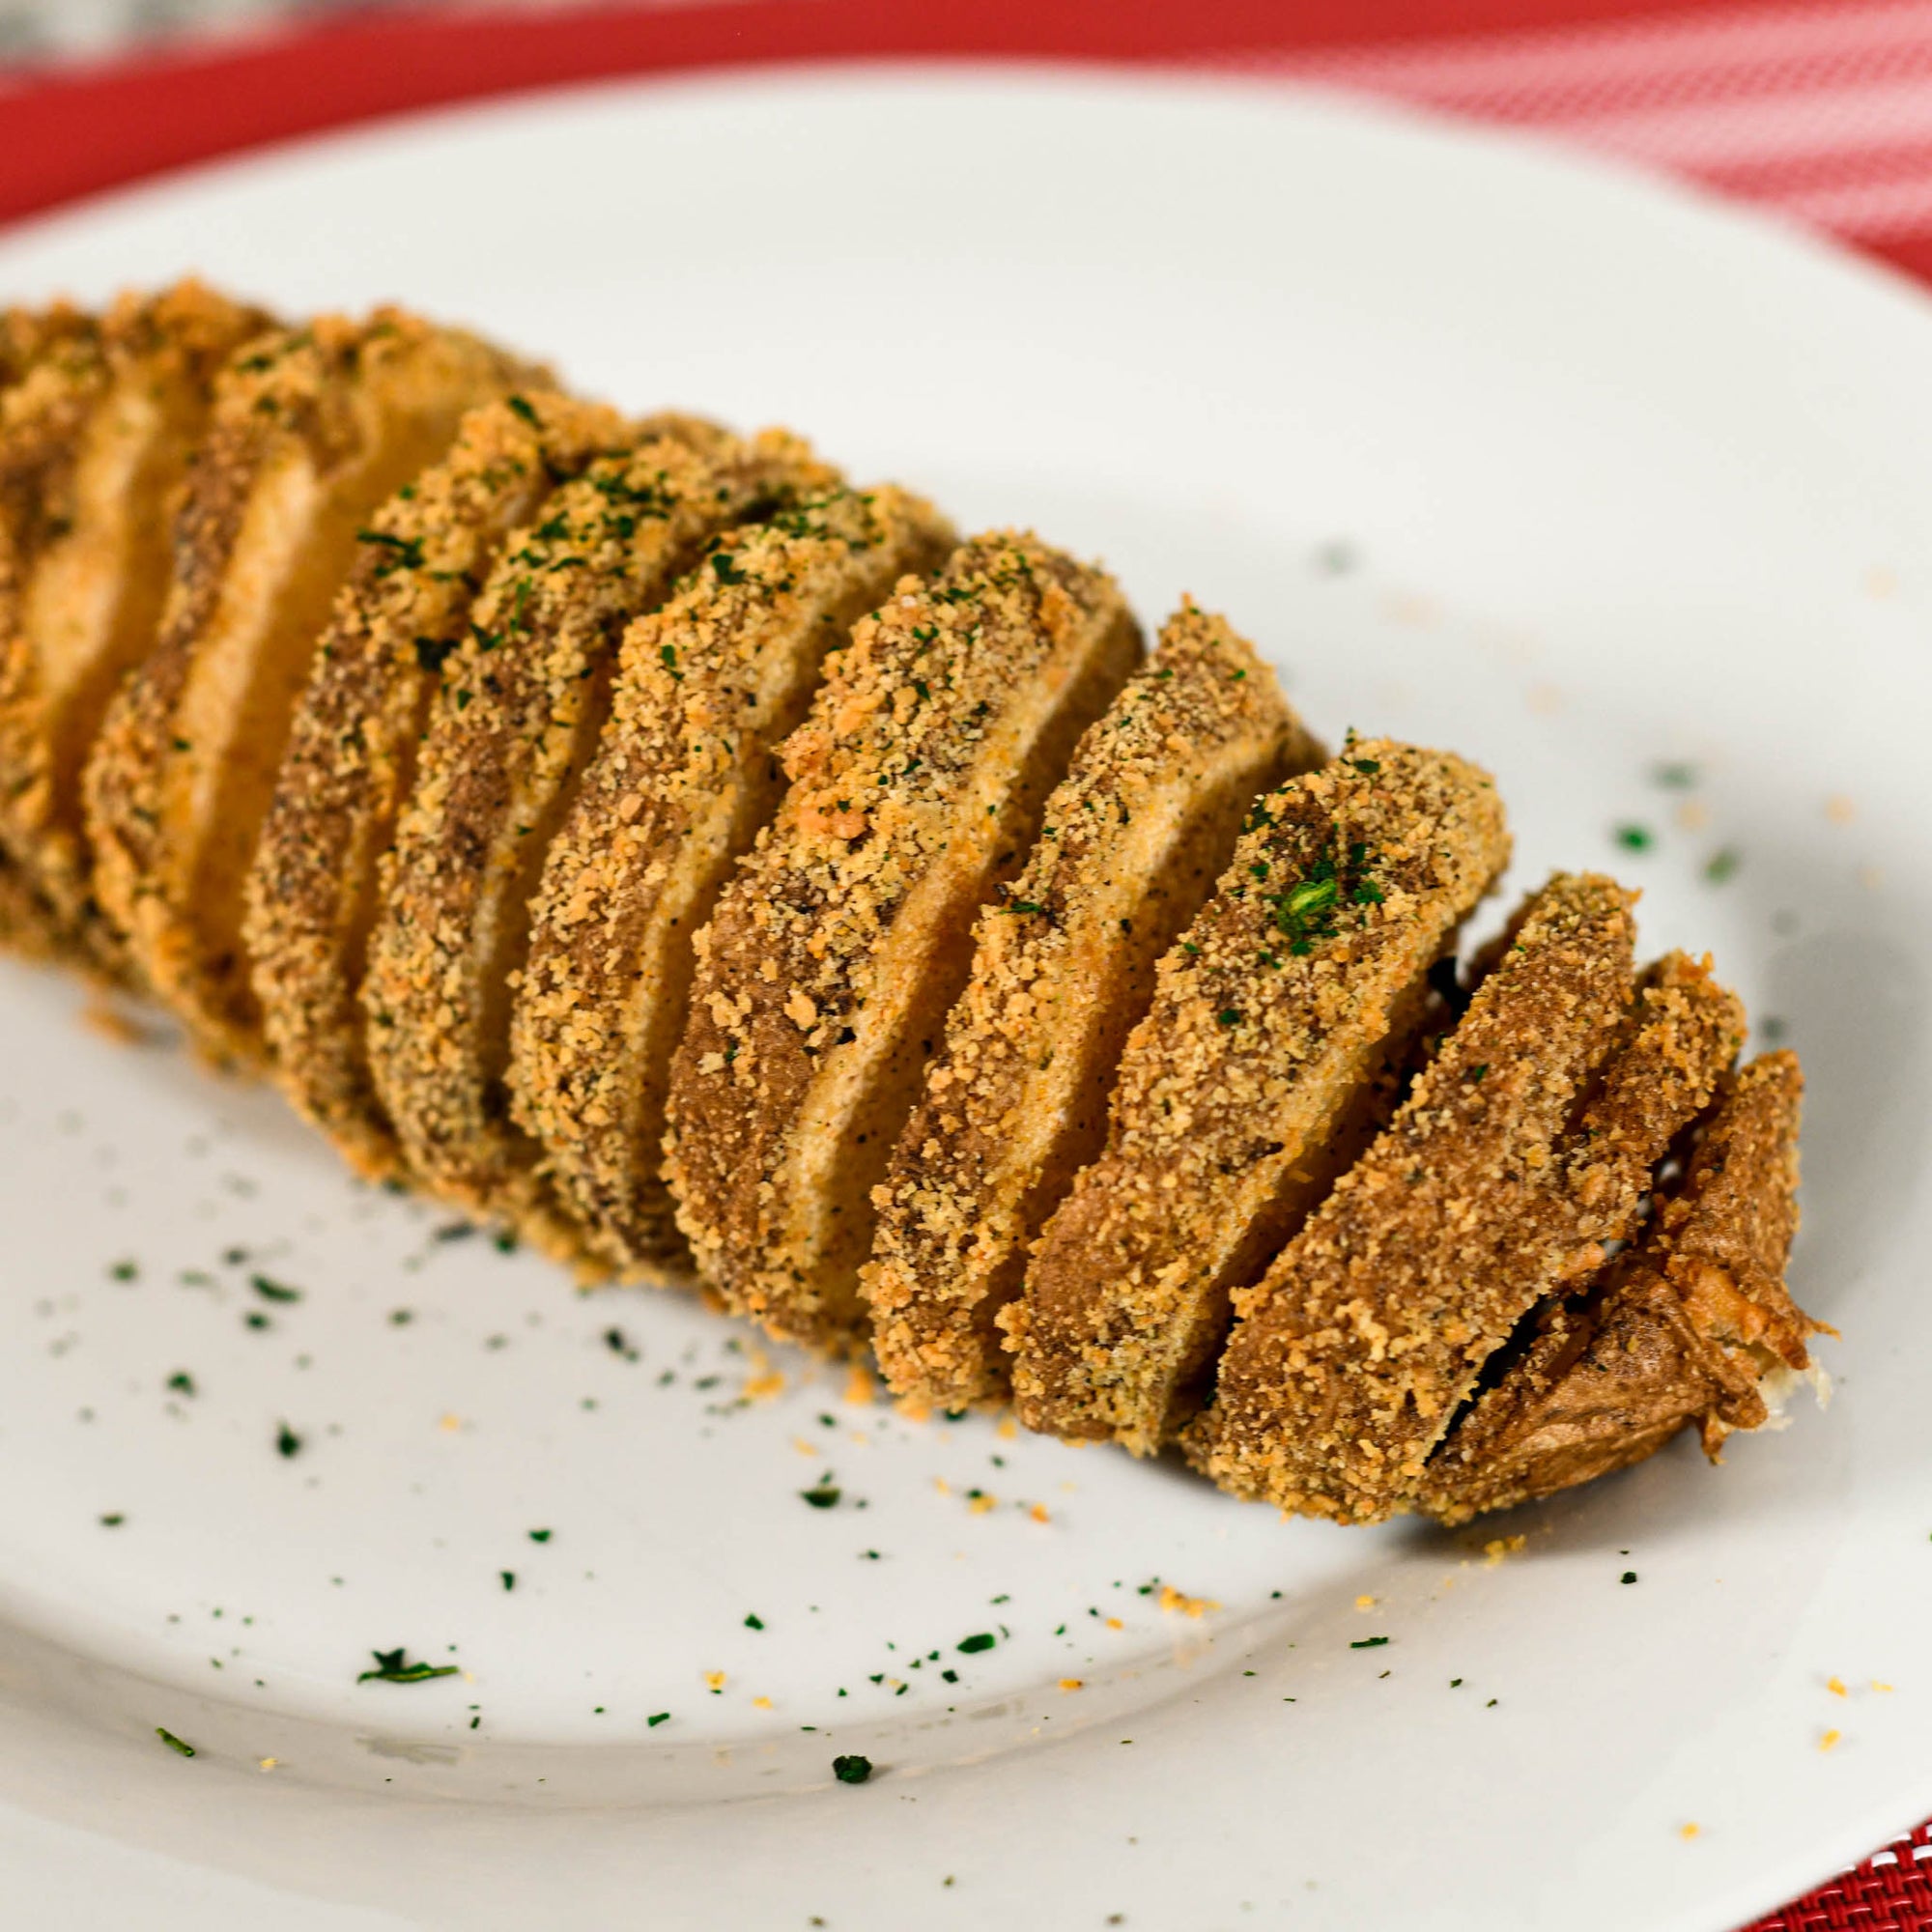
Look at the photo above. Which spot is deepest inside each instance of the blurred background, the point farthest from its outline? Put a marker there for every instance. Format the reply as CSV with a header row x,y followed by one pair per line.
x,y
1817,110
35,32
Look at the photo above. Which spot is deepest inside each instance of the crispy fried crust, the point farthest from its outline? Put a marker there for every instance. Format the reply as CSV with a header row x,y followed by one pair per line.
x,y
36,423
1353,1353
828,967
1062,968
311,431
1245,1085
1694,1324
27,924
513,725
88,479
352,747
684,776
27,335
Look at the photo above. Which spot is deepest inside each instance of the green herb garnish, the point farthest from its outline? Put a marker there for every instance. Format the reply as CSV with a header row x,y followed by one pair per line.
x,y
179,1745
392,1667
273,1290
983,1640
852,1770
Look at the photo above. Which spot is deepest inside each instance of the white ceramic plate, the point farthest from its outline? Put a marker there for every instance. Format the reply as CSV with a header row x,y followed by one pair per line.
x,y
1489,448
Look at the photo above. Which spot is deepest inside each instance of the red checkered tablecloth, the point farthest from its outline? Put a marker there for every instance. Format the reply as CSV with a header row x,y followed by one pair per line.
x,y
1821,111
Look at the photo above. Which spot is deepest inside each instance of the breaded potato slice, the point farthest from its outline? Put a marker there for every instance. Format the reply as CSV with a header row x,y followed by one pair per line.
x,y
66,339
684,776
352,746
27,924
1015,1103
512,728
312,429
88,481
28,334
825,975
1254,1077
1693,1325
1351,1358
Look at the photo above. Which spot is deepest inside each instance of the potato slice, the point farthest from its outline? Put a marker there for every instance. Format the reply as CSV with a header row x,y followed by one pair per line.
x,y
1015,1104
512,728
1694,1324
1252,1080
684,776
29,337
352,747
92,453
1353,1356
312,429
824,978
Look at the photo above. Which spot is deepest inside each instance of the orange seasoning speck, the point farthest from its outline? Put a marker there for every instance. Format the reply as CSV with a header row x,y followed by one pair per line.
x,y
1073,1684
761,1703
714,1681
1689,1830
1829,1740
1172,1599
859,1384
1040,1512
1836,1686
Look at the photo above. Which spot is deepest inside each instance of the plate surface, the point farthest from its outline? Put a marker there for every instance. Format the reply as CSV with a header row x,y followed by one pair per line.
x,y
1626,496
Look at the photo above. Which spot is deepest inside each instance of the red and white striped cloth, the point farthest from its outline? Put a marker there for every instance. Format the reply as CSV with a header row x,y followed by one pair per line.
x,y
1822,112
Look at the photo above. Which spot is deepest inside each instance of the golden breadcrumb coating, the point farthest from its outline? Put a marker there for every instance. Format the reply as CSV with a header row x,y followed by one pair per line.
x,y
1249,1082
1015,1104
100,458
1353,1353
685,774
312,429
513,725
27,335
39,425
825,975
351,748
27,923
1693,1325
